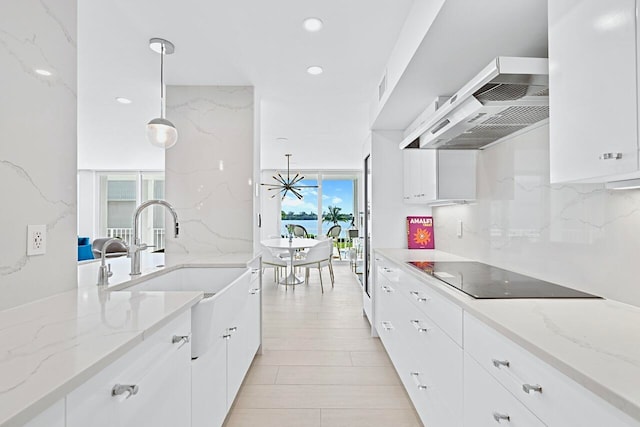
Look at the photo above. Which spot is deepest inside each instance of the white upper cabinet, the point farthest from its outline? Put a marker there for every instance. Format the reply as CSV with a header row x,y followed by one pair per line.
x,y
593,90
439,176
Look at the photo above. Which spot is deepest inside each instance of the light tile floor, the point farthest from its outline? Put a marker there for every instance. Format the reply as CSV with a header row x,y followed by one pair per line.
x,y
320,367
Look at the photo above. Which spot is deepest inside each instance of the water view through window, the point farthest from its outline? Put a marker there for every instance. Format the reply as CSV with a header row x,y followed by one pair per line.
x,y
332,202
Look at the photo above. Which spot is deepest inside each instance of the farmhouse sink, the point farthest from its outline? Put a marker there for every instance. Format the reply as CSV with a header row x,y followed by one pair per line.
x,y
223,287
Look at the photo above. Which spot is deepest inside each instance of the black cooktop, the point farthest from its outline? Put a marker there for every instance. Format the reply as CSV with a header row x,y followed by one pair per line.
x,y
484,281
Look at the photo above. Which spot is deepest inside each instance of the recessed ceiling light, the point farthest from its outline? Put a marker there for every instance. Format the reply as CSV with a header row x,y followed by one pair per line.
x,y
43,72
312,24
122,100
315,70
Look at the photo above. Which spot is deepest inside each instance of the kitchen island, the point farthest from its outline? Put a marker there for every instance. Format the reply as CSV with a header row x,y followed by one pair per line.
x,y
52,346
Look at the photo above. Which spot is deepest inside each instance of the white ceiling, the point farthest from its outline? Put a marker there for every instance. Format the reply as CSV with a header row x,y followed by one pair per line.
x,y
241,42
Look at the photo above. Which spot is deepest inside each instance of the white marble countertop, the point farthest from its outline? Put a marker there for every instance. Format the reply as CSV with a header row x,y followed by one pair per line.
x,y
50,346
594,342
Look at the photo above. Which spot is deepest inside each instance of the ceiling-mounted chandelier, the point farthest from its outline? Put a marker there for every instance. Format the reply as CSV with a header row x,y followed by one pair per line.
x,y
289,184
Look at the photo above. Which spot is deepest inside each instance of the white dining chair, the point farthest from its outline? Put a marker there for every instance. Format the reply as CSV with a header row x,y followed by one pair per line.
x,y
318,256
269,260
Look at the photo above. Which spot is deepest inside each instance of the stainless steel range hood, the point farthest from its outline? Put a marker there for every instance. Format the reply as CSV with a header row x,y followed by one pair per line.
x,y
507,96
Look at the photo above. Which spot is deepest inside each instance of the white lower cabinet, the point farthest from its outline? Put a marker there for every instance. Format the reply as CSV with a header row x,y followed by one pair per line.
x,y
218,374
476,379
428,361
487,403
553,397
209,387
150,385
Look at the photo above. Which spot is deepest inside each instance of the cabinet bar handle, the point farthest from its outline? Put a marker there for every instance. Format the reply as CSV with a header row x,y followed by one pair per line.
x,y
416,379
254,291
528,388
129,389
416,324
610,156
387,289
499,363
180,339
387,326
501,417
417,296
233,329
226,336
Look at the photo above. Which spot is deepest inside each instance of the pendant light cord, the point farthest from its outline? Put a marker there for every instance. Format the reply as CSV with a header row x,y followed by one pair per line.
x,y
162,102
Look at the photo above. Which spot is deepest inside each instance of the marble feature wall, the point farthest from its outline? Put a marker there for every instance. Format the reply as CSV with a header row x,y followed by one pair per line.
x,y
578,235
209,172
38,147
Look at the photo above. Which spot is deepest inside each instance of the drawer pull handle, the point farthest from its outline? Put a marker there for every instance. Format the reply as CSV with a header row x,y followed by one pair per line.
x,y
416,379
387,326
610,156
233,329
417,296
254,291
387,289
388,270
499,363
180,339
128,389
528,388
501,417
226,336
416,324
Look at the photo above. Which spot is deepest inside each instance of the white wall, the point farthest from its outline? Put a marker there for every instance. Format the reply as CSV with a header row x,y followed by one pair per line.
x,y
388,210
581,236
325,140
38,148
215,204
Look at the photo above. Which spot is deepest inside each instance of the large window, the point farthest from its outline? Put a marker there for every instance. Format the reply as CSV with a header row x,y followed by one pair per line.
x,y
120,193
303,211
333,201
338,203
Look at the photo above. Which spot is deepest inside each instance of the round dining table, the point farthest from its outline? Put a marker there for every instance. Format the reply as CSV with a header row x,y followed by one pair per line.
x,y
291,245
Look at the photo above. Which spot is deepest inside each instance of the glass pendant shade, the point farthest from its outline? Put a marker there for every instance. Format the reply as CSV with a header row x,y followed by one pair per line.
x,y
162,133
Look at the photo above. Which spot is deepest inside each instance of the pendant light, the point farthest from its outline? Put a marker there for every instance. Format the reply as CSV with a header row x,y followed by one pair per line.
x,y
161,132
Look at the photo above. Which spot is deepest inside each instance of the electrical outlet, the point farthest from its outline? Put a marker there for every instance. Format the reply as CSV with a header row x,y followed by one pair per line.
x,y
36,239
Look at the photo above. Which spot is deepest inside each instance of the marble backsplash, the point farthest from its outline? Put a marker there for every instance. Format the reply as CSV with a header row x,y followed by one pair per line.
x,y
38,147
209,172
578,235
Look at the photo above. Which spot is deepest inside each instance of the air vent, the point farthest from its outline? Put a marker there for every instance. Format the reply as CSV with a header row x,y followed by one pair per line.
x,y
500,92
520,115
382,87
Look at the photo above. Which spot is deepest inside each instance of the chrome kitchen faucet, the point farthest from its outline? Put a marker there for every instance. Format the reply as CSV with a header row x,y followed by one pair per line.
x,y
136,246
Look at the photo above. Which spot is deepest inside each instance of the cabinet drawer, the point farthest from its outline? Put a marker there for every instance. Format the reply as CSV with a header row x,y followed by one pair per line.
x,y
445,314
487,403
389,315
434,353
432,404
552,396
161,372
